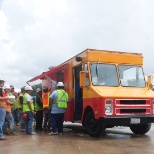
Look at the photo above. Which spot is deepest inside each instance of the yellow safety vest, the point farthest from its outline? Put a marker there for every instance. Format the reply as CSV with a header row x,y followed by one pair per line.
x,y
25,105
18,101
62,98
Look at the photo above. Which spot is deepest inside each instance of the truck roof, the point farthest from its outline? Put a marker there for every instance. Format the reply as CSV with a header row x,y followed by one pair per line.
x,y
110,57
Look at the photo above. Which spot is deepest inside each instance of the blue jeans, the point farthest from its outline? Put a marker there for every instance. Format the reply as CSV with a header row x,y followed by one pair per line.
x,y
16,115
9,122
2,119
29,122
57,122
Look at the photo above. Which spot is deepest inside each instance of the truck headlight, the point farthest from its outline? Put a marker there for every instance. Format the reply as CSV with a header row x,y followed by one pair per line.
x,y
108,106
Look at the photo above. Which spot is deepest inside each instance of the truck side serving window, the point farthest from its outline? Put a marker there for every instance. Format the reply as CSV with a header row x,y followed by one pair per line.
x,y
87,75
131,76
104,74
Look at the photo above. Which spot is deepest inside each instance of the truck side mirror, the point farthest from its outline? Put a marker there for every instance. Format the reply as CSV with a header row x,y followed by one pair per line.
x,y
149,83
82,78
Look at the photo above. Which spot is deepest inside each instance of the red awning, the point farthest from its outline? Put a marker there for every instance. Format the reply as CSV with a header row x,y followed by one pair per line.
x,y
52,71
36,78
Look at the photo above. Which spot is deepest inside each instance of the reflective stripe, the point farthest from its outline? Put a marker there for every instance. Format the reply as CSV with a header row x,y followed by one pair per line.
x,y
62,99
3,104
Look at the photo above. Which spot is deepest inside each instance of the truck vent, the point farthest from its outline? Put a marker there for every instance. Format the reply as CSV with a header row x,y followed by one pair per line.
x,y
132,102
132,110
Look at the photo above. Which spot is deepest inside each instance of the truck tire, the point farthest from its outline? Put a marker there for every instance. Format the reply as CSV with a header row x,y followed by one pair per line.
x,y
93,126
140,128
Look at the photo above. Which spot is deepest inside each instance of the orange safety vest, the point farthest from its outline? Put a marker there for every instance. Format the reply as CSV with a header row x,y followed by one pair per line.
x,y
45,99
8,107
3,102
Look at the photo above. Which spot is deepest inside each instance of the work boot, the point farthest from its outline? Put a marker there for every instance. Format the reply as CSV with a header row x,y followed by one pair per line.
x,y
32,133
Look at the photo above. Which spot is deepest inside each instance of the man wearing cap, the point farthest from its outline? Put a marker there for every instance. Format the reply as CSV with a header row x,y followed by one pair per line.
x,y
58,100
3,99
39,109
28,108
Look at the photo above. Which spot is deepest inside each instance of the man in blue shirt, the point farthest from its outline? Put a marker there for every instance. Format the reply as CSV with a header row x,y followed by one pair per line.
x,y
58,101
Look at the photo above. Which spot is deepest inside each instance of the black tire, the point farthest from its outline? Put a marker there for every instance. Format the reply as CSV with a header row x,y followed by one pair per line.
x,y
93,126
140,128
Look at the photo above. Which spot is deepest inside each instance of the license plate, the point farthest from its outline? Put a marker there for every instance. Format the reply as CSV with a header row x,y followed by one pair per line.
x,y
135,120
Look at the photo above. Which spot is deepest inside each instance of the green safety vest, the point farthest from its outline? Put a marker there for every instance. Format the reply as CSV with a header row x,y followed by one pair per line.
x,y
62,98
25,105
14,105
18,101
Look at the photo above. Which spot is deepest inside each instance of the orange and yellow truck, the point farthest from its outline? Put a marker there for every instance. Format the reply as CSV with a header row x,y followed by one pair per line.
x,y
106,89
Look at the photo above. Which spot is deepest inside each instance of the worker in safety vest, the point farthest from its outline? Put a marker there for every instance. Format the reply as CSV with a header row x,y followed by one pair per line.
x,y
20,106
28,108
9,121
39,109
58,101
46,109
15,111
3,99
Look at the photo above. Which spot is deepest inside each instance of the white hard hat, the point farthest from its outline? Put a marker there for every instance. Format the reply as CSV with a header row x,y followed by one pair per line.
x,y
2,78
60,84
7,87
28,88
38,90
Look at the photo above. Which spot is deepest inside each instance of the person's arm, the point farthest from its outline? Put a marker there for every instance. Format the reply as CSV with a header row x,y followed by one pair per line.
x,y
29,105
4,98
50,101
9,102
51,98
1,96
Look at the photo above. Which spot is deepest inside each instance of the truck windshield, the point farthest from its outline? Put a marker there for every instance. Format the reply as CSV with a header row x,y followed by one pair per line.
x,y
104,74
131,76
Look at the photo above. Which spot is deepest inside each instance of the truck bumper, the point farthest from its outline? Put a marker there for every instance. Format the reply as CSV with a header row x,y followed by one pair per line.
x,y
126,121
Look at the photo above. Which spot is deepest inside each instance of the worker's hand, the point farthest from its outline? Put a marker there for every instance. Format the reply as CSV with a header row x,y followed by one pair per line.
x,y
7,98
9,102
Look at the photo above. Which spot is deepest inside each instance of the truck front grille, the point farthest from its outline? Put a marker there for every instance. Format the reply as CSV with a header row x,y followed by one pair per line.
x,y
132,106
132,102
132,111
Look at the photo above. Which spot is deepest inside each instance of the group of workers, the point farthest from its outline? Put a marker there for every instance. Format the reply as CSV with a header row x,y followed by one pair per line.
x,y
45,107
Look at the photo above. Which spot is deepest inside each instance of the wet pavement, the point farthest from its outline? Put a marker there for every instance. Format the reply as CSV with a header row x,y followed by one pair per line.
x,y
118,140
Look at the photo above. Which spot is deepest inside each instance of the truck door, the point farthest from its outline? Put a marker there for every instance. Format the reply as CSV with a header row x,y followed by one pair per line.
x,y
78,94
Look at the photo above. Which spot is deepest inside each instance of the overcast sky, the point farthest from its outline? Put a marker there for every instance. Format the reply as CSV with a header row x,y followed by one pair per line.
x,y
36,34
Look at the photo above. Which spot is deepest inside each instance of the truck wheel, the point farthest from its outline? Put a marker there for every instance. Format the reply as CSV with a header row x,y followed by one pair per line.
x,y
140,128
93,127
